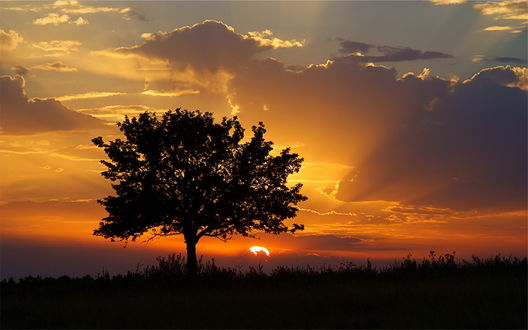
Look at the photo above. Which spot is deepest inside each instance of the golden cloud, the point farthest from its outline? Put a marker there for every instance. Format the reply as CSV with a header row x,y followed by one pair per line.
x,y
57,19
512,10
75,7
448,2
58,47
53,19
170,93
80,21
498,28
55,66
477,58
9,40
117,112
265,40
89,95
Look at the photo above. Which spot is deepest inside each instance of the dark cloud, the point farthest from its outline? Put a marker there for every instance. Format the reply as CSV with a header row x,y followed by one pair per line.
x,y
386,53
509,60
207,46
468,153
348,46
22,116
417,139
339,110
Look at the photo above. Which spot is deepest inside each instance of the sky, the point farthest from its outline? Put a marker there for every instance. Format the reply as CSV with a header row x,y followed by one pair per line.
x,y
410,116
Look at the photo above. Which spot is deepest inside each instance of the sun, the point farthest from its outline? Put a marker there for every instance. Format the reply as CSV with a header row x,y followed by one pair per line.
x,y
256,249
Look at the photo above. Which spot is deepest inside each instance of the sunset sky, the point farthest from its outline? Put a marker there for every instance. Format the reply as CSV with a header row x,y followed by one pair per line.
x,y
411,117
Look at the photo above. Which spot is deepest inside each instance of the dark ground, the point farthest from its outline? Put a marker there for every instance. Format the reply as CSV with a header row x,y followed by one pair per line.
x,y
434,293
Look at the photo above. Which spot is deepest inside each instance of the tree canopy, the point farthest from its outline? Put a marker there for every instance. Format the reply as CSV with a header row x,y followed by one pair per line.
x,y
184,173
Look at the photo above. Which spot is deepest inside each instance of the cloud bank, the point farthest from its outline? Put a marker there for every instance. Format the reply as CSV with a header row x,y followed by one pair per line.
x,y
468,153
20,115
417,139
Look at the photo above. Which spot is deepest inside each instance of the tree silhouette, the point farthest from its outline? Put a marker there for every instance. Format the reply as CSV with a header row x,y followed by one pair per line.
x,y
182,173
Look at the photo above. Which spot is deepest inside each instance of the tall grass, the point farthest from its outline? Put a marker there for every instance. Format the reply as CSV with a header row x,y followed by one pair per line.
x,y
440,291
173,266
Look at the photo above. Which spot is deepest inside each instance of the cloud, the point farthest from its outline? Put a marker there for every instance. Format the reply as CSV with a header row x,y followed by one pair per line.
x,y
170,93
117,112
356,51
192,46
448,2
55,66
58,47
53,19
507,59
57,19
75,7
265,39
509,10
89,95
509,29
20,70
499,59
477,58
20,115
315,242
502,10
131,14
9,40
514,77
498,28
468,153
338,101
80,21
417,139
505,10
348,46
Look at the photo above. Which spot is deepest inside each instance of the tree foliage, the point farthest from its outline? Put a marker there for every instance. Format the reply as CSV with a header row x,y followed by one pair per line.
x,y
184,173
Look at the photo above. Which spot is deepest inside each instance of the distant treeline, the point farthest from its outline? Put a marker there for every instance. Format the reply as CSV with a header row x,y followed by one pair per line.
x,y
437,292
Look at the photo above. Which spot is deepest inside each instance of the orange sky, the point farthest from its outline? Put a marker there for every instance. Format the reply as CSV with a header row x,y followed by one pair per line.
x,y
396,162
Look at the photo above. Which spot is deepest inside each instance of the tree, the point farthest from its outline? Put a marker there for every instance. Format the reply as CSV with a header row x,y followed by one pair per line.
x,y
182,173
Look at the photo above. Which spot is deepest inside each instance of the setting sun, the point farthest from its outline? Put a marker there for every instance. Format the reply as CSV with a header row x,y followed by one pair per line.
x,y
257,249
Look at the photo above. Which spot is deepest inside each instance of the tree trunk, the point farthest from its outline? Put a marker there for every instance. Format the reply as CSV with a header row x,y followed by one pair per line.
x,y
192,262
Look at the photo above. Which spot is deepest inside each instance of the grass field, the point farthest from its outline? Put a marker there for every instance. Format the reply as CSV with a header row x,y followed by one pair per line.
x,y
434,293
